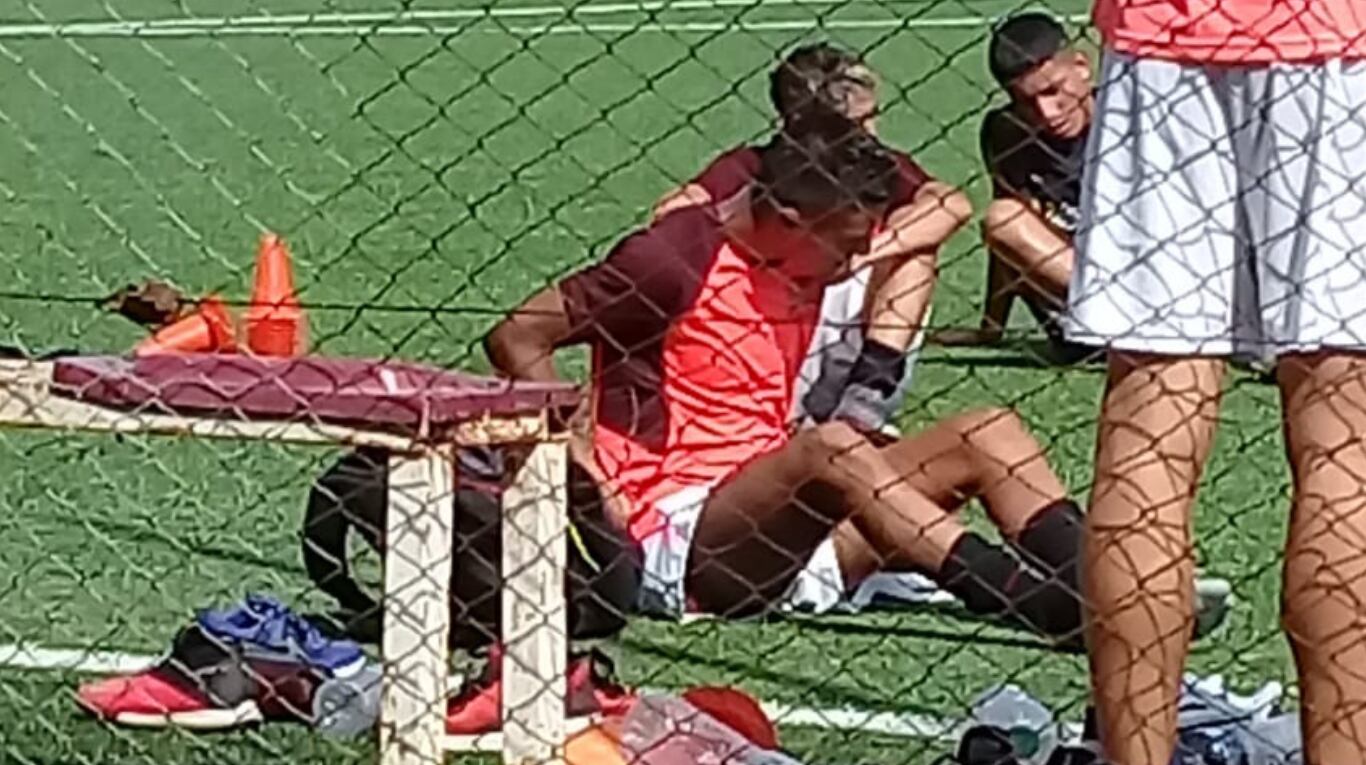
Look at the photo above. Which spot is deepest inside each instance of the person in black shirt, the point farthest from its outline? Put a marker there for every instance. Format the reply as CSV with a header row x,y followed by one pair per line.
x,y
1033,149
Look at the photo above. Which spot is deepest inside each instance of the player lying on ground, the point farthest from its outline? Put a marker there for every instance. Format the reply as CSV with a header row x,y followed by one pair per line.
x,y
860,376
697,332
1033,151
1225,208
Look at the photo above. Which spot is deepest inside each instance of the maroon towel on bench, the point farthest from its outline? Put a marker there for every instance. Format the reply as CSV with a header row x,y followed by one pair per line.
x,y
380,395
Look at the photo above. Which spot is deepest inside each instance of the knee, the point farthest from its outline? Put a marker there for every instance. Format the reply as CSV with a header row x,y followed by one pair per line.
x,y
997,222
990,435
825,447
992,421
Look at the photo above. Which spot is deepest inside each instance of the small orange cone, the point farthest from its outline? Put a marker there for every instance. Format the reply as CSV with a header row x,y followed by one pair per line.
x,y
211,329
275,322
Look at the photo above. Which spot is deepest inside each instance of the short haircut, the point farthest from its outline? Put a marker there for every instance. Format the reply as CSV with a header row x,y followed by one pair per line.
x,y
818,78
1021,43
815,173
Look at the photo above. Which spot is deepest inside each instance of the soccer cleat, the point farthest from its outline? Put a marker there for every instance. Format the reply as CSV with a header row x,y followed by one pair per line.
x,y
477,708
159,698
262,628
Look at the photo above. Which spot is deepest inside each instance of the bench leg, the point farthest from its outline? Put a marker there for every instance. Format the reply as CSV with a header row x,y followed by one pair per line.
x,y
534,632
417,575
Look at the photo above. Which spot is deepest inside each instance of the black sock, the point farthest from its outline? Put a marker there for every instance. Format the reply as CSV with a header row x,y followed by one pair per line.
x,y
879,367
1051,542
992,582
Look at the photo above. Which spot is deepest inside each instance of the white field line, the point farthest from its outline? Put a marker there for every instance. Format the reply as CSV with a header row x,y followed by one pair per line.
x,y
138,29
556,12
557,20
31,657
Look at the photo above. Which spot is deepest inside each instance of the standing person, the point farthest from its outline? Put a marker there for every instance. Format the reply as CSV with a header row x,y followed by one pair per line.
x,y
1224,208
859,364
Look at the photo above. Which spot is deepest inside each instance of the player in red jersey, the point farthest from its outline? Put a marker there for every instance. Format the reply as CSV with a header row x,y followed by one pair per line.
x,y
698,331
1224,210
858,369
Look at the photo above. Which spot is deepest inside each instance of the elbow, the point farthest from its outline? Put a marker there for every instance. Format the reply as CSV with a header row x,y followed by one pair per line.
x,y
498,346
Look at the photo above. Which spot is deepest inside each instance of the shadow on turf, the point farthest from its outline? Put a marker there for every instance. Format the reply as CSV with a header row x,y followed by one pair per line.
x,y
973,636
1018,354
1040,354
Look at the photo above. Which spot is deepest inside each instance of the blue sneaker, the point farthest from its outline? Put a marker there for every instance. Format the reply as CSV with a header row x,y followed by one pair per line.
x,y
264,628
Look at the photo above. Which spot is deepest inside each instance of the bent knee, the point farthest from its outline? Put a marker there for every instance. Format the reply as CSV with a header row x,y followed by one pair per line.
x,y
1000,215
824,445
994,420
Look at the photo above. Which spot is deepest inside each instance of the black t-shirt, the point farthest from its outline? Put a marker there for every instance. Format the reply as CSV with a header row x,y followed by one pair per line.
x,y
1026,162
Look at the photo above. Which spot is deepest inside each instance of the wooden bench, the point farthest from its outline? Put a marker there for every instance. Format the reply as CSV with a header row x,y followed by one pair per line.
x,y
420,415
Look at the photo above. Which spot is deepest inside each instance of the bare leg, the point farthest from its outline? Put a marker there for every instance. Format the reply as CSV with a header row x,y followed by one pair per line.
x,y
985,454
1041,255
1324,398
1025,257
759,528
1156,426
899,296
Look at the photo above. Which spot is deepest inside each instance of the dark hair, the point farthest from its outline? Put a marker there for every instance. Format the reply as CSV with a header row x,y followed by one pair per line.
x,y
1021,43
817,78
817,172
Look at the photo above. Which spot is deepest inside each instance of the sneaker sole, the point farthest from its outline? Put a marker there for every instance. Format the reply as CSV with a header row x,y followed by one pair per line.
x,y
245,713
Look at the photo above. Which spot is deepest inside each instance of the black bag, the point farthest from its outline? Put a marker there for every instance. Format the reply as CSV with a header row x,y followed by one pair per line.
x,y
602,576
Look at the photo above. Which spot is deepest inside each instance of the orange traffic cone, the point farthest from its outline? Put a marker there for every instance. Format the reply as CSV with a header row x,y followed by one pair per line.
x,y
211,329
275,322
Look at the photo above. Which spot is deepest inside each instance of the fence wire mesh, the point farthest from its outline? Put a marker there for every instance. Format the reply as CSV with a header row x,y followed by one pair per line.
x,y
429,166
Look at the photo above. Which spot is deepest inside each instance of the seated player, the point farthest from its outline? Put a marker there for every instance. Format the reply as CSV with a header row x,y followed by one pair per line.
x,y
1033,150
858,367
697,332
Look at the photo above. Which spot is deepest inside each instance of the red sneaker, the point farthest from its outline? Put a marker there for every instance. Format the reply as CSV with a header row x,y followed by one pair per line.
x,y
156,699
591,691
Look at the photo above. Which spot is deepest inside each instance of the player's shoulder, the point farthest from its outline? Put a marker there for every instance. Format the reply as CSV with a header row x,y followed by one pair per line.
x,y
730,171
743,157
1001,123
686,237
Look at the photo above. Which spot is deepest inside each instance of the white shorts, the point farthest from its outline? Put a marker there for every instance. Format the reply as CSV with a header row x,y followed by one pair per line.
x,y
1223,209
818,587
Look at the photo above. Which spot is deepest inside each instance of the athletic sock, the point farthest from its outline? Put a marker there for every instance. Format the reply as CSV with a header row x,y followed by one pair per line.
x,y
992,582
1051,542
879,367
867,399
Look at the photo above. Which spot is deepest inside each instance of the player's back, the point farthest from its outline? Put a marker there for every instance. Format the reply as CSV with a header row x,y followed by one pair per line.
x,y
696,347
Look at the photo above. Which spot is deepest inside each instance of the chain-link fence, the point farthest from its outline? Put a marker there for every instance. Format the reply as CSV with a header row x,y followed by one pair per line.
x,y
429,168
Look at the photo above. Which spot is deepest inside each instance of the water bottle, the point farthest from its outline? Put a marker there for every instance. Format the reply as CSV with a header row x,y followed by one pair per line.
x,y
1033,731
348,706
